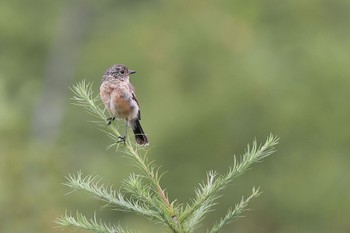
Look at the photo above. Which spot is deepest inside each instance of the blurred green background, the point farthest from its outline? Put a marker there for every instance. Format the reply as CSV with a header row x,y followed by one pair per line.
x,y
211,77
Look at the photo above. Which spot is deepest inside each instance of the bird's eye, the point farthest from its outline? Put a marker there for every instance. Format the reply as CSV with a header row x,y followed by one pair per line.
x,y
122,71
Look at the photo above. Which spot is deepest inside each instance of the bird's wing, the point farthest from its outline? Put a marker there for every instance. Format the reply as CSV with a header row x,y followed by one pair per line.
x,y
135,99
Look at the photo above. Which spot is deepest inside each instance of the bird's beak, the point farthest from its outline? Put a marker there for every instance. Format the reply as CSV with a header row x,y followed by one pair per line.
x,y
131,72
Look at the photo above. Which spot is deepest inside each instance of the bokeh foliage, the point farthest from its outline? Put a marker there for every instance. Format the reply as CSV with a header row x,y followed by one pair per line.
x,y
211,76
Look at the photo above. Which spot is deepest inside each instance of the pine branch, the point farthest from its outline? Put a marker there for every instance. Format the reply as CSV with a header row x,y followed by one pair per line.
x,y
91,185
80,222
232,215
194,214
208,192
151,173
135,186
83,96
253,154
143,192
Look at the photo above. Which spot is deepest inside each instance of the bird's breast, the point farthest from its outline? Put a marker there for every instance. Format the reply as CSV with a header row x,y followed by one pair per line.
x,y
123,105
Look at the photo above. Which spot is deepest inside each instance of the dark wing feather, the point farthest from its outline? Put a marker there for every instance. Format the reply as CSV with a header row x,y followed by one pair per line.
x,y
134,98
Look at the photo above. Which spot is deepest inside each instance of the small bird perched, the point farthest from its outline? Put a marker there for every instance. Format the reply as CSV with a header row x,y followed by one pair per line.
x,y
118,96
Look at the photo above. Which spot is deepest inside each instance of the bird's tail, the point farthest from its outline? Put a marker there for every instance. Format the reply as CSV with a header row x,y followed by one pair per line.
x,y
140,136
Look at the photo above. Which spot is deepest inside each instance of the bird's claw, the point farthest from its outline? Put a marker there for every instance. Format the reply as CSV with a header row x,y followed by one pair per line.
x,y
110,120
122,139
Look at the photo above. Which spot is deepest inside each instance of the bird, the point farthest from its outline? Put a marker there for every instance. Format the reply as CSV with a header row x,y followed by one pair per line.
x,y
119,98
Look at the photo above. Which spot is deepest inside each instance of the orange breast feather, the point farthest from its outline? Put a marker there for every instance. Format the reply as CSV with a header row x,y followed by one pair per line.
x,y
123,107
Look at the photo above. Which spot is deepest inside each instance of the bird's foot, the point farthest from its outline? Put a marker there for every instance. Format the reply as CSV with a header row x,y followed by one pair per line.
x,y
122,139
110,120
